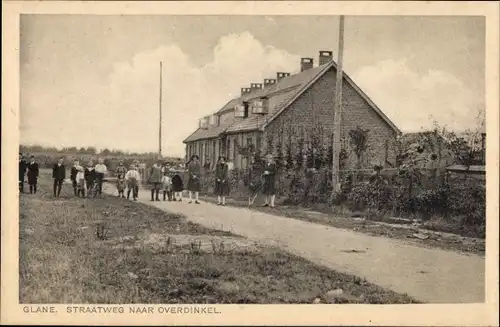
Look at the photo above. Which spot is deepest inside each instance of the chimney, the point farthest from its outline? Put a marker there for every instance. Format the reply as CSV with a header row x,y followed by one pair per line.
x,y
306,63
281,75
245,90
325,57
269,82
255,86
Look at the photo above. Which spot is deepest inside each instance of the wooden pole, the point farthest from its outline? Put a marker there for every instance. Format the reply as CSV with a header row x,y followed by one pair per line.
x,y
160,122
338,110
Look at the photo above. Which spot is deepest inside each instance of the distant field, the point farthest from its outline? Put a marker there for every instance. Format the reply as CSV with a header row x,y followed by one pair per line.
x,y
112,250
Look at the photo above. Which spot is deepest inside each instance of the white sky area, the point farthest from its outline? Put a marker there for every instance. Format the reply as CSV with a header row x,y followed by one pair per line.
x,y
94,80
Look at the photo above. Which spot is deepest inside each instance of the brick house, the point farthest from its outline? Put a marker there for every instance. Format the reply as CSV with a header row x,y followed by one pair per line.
x,y
294,110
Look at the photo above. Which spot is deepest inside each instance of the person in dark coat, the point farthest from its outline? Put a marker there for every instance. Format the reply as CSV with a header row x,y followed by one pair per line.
x,y
22,172
72,175
221,181
58,174
177,186
33,171
269,188
194,185
155,178
90,176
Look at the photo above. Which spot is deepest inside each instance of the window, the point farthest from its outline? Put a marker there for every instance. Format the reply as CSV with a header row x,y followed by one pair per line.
x,y
228,150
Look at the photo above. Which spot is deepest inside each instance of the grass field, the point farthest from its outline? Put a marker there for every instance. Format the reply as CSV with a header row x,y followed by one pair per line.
x,y
111,250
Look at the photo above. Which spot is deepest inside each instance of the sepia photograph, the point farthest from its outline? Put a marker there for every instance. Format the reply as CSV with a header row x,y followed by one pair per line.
x,y
250,159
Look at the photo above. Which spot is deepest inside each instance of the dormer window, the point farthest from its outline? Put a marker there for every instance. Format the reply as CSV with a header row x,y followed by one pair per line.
x,y
204,123
239,111
260,106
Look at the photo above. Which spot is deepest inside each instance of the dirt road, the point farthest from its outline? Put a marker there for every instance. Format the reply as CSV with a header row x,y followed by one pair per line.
x,y
428,275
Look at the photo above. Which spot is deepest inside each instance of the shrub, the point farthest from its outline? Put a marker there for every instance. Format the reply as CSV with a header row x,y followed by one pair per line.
x,y
375,196
432,201
469,200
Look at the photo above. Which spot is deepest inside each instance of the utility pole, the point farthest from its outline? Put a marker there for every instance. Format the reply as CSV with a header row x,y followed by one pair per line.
x,y
338,110
159,125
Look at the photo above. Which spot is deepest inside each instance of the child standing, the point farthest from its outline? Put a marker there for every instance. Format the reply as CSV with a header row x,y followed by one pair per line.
x,y
100,170
177,187
221,181
80,181
120,182
194,170
89,177
155,179
132,178
120,186
167,185
269,181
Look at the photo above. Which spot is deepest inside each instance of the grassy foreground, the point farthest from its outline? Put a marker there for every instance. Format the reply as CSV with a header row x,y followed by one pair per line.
x,y
103,251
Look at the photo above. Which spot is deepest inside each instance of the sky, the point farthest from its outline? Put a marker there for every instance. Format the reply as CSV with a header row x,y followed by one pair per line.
x,y
94,80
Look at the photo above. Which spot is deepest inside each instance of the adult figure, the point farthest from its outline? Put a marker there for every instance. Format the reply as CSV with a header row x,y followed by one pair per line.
x,y
100,172
33,171
58,174
194,172
155,179
22,172
221,181
269,188
72,175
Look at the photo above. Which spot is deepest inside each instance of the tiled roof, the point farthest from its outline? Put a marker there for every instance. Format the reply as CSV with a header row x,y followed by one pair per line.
x,y
280,96
214,131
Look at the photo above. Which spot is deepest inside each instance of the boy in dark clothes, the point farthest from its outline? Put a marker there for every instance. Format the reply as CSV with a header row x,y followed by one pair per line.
x,y
58,174
73,173
90,176
33,171
22,172
177,186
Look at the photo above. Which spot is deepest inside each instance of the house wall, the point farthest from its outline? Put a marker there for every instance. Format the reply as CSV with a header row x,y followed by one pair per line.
x,y
315,107
242,139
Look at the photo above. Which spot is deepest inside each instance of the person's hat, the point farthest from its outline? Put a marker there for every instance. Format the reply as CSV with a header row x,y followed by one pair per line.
x,y
269,156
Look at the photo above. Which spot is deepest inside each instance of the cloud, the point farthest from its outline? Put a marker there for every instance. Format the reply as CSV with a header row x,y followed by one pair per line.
x,y
413,100
121,110
189,91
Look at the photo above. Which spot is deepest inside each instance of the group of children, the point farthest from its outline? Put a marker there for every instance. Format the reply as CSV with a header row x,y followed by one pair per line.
x,y
162,178
86,181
